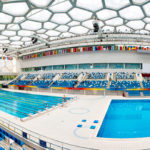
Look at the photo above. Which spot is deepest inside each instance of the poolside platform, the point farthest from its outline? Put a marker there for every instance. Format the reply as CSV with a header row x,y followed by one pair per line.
x,y
78,123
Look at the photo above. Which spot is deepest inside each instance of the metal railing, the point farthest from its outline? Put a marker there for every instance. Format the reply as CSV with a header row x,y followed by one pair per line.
x,y
36,137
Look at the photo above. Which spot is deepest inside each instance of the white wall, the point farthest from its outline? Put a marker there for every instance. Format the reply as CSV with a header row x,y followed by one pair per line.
x,y
146,68
88,57
7,66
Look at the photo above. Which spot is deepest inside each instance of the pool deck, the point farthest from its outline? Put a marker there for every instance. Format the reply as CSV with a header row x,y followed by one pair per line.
x,y
61,123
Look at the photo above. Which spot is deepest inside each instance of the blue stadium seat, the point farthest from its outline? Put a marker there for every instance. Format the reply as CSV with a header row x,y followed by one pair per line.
x,y
124,75
146,84
64,83
68,75
96,75
93,84
125,84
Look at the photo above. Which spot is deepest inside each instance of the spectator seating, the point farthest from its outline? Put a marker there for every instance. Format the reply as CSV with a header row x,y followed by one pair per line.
x,y
146,84
124,75
68,75
22,82
64,83
42,83
4,134
48,75
96,75
92,80
125,84
93,84
31,76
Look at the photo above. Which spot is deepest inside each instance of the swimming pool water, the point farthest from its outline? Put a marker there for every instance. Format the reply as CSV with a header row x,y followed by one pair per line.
x,y
126,119
22,104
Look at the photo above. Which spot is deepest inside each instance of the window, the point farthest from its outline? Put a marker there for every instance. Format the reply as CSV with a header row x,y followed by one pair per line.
x,y
116,66
70,67
133,66
58,67
84,66
100,66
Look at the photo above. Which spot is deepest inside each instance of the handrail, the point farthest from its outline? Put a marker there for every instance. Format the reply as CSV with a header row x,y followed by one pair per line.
x,y
34,137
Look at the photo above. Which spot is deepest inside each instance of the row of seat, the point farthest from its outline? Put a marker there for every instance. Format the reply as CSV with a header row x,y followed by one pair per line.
x,y
84,84
93,84
96,75
31,76
66,75
88,80
124,75
48,76
125,84
64,83
69,75
74,75
4,134
146,84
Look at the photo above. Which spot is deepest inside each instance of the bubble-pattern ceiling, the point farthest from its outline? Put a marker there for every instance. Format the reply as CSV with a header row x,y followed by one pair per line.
x,y
49,19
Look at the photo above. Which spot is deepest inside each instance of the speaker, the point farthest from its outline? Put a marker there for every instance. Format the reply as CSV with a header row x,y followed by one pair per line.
x,y
48,45
34,40
5,50
96,27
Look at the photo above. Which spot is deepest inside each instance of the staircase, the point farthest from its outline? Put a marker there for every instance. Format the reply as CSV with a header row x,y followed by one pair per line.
x,y
80,78
141,84
51,84
108,85
77,84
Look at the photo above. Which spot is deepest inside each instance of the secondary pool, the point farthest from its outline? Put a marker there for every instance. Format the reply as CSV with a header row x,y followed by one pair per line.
x,y
126,119
22,104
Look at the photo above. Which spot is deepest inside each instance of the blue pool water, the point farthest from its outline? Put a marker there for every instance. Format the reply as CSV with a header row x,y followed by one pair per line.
x,y
126,119
22,104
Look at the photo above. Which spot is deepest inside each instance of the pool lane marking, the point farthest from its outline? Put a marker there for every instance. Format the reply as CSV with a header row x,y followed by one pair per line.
x,y
8,98
19,106
29,99
22,105
24,98
29,103
14,110
23,102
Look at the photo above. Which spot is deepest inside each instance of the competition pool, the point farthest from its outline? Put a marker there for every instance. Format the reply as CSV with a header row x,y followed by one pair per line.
x,y
22,105
126,119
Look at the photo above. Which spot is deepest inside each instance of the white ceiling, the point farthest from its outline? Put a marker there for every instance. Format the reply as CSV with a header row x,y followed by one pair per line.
x,y
49,19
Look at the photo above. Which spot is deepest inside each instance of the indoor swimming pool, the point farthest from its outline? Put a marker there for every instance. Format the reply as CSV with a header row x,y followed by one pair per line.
x,y
22,105
126,119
